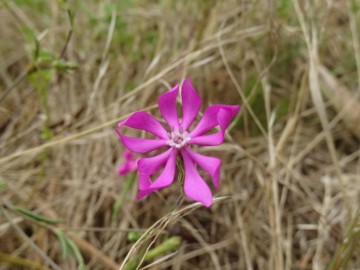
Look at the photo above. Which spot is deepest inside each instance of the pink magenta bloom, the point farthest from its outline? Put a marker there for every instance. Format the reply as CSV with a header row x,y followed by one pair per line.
x,y
178,139
129,165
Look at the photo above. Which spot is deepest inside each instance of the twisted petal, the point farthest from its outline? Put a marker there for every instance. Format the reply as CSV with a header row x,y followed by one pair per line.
x,y
145,121
167,105
165,178
223,119
210,118
143,193
191,104
209,164
194,186
141,146
148,166
129,164
124,169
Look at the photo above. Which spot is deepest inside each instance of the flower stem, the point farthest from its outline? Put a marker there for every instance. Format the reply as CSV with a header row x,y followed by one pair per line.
x,y
129,182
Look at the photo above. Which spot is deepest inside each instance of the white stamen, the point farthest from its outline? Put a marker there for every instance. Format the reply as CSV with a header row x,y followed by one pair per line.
x,y
178,138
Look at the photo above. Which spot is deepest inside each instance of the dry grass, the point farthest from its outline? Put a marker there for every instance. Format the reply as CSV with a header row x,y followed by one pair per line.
x,y
290,185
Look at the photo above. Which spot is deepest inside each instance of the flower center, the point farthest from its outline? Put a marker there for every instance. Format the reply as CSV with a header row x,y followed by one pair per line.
x,y
178,138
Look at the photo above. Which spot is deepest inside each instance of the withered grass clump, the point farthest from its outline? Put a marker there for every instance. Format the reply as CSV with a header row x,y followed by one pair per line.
x,y
289,194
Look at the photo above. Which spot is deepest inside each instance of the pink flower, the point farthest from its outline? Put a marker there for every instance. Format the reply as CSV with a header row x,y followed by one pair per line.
x,y
178,139
129,165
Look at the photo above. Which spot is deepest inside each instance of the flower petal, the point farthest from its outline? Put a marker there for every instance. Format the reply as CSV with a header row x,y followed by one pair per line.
x,y
194,186
223,117
127,167
165,178
144,193
209,164
139,145
148,166
124,169
191,104
167,175
129,164
208,140
145,121
210,119
167,106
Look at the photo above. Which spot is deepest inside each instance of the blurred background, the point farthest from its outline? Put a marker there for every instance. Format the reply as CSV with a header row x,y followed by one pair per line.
x,y
289,192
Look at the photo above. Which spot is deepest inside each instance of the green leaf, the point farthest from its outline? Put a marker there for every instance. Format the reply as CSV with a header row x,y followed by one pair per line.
x,y
134,236
28,33
170,244
41,80
69,247
354,6
82,267
36,216
46,134
62,65
3,186
74,250
63,241
44,57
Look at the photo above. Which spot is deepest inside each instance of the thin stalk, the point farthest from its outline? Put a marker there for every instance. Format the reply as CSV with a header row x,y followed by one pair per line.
x,y
129,182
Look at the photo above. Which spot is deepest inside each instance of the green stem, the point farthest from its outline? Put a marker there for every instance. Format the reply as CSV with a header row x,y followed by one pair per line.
x,y
129,182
